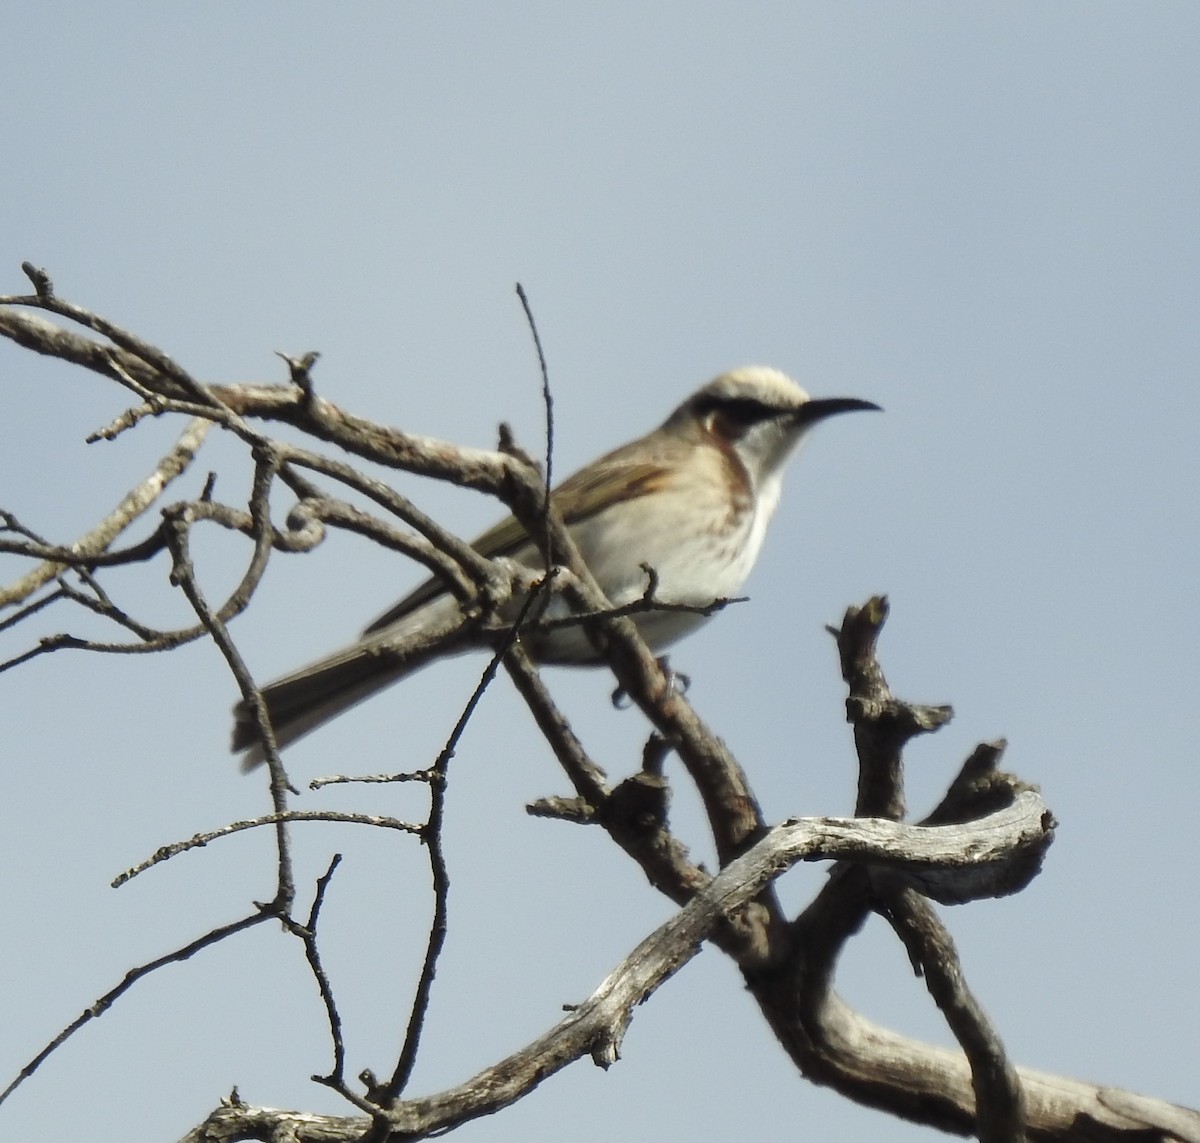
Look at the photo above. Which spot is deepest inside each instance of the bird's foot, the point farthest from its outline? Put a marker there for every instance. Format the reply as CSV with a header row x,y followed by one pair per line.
x,y
677,683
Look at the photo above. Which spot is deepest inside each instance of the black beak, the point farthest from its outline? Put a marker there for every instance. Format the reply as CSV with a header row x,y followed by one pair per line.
x,y
817,410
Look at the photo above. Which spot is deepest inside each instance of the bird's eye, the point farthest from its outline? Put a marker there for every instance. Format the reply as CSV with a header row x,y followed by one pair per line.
x,y
733,417
745,411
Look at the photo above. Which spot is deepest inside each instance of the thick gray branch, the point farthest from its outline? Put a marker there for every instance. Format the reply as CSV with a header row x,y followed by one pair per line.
x,y
597,1026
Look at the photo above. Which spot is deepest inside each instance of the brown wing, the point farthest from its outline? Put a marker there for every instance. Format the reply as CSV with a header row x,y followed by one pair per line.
x,y
609,480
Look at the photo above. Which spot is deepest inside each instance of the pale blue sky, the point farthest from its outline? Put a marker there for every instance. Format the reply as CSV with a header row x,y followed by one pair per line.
x,y
982,216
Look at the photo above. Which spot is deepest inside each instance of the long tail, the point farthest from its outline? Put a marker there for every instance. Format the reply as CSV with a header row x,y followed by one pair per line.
x,y
310,697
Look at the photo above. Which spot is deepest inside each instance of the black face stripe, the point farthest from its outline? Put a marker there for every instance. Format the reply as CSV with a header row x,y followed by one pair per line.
x,y
743,411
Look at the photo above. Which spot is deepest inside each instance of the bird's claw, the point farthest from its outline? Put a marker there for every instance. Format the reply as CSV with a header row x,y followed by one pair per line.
x,y
677,684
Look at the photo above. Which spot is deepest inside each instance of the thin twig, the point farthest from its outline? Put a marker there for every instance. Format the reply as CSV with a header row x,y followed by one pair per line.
x,y
103,1003
369,779
548,404
100,604
132,505
154,357
386,1094
200,840
336,1078
307,933
447,546
183,574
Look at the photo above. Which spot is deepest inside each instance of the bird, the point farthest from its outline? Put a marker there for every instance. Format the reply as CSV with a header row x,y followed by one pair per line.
x,y
685,507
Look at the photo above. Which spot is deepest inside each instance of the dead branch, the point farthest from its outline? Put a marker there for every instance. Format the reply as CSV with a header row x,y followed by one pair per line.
x,y
132,506
597,1026
988,837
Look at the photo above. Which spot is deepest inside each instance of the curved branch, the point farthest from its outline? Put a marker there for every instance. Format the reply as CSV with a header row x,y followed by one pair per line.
x,y
597,1027
788,966
133,504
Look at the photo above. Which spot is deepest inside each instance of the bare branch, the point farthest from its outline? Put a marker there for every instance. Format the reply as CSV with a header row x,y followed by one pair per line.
x,y
200,840
103,1003
184,575
882,724
307,933
385,1094
444,553
34,332
831,1043
479,469
597,1026
999,1100
171,374
131,507
988,837
585,775
370,779
548,403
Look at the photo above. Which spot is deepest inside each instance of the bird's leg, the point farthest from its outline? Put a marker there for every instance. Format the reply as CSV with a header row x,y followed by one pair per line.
x,y
677,683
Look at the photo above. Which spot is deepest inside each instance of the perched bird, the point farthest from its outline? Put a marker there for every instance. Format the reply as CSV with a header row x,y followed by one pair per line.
x,y
691,500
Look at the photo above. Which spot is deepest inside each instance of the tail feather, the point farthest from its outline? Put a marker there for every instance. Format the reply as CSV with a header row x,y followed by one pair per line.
x,y
304,701
310,697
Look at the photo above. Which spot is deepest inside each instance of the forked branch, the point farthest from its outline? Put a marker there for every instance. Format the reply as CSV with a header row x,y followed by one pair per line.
x,y
988,837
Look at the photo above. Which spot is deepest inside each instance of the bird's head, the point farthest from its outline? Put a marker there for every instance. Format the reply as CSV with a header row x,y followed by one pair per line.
x,y
758,414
